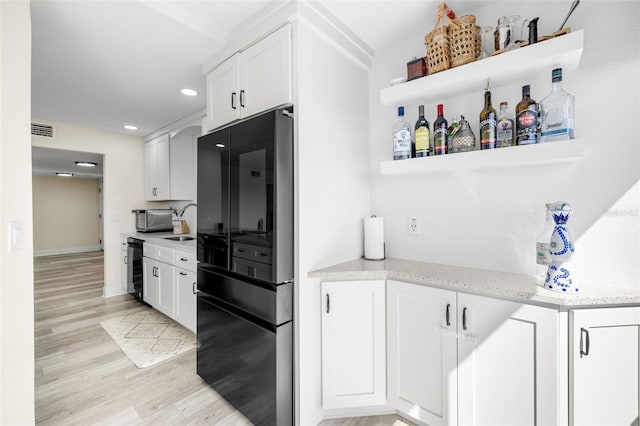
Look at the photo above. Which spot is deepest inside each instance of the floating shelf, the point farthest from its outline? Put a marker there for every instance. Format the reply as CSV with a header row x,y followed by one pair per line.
x,y
515,66
512,157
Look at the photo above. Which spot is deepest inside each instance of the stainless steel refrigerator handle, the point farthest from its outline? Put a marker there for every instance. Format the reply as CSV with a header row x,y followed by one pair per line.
x,y
464,318
585,352
328,303
447,314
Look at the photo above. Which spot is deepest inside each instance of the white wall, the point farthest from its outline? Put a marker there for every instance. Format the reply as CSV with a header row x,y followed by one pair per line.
x,y
332,187
489,219
16,266
123,186
65,215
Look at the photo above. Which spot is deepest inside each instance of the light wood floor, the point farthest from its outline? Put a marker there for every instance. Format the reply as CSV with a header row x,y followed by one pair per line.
x,y
83,378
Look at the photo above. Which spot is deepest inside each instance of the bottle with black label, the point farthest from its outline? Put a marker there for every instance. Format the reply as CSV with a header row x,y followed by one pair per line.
x,y
527,123
422,136
440,137
488,122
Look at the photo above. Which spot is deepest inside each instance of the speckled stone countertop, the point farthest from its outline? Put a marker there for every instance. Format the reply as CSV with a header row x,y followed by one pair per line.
x,y
159,238
517,287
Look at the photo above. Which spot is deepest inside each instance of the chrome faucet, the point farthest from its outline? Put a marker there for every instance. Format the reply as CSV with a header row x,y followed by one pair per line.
x,y
181,211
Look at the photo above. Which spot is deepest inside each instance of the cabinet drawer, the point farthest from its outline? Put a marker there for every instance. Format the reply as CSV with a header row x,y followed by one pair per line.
x,y
184,259
252,252
161,253
252,269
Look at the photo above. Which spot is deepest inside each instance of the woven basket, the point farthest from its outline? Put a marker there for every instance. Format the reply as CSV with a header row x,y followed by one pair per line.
x,y
464,40
437,43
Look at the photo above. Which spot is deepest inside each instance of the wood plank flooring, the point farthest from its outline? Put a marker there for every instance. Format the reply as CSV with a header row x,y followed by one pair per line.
x,y
83,378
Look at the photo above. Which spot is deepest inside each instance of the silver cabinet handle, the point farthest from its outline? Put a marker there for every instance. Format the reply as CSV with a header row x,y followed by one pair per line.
x,y
158,272
183,274
242,98
584,352
464,318
233,100
183,259
194,288
328,303
447,315
125,260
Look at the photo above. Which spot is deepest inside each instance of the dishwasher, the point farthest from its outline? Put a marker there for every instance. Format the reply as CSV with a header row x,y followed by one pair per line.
x,y
134,267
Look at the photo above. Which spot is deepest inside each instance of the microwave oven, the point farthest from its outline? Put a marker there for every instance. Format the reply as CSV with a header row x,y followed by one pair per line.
x,y
153,220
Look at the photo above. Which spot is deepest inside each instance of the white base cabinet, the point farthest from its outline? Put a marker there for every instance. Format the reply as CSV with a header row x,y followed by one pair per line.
x,y
185,289
605,367
353,344
456,358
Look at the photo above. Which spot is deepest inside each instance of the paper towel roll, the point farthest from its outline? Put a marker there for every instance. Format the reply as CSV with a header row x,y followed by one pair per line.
x,y
373,238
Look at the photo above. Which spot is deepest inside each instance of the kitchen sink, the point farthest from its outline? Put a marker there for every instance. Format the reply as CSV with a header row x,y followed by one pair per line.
x,y
179,238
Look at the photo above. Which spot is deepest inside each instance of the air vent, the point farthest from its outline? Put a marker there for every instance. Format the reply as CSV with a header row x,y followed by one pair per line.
x,y
43,130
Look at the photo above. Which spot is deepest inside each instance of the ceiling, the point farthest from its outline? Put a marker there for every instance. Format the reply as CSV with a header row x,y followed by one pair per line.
x,y
47,161
102,64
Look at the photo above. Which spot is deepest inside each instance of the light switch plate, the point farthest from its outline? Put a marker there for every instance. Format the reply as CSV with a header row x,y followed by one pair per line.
x,y
16,236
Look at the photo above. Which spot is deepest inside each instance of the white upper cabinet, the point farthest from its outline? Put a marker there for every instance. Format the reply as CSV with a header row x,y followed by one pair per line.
x,y
168,164
156,169
605,367
251,81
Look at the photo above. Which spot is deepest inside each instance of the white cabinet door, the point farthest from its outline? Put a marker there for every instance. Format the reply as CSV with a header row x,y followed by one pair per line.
x,y
605,376
149,282
507,363
223,93
166,289
123,269
421,336
353,344
185,282
265,73
156,169
182,163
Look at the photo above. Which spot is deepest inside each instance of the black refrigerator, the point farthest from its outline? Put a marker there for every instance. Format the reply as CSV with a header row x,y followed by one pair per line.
x,y
245,265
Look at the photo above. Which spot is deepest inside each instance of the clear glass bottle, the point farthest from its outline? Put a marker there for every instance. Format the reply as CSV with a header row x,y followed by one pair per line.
x,y
527,123
557,111
488,122
543,245
440,137
421,135
401,137
506,125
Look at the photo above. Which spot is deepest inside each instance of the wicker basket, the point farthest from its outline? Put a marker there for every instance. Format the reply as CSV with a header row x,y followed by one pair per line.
x,y
464,40
437,43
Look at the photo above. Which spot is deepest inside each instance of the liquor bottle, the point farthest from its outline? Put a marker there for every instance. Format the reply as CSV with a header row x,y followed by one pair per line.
x,y
527,124
543,245
505,127
440,137
423,141
557,111
401,137
488,123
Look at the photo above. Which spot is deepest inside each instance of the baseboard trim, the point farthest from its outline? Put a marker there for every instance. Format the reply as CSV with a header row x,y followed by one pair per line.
x,y
112,291
69,250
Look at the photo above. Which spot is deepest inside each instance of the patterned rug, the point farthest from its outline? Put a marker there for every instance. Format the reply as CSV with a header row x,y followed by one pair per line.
x,y
149,337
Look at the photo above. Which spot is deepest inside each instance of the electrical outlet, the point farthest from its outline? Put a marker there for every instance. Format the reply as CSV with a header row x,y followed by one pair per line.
x,y
413,225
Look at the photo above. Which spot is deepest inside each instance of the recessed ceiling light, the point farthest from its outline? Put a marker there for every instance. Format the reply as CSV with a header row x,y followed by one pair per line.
x,y
130,127
220,145
64,174
86,163
189,92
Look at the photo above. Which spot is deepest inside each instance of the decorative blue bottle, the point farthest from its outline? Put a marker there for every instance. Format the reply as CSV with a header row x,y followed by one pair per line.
x,y
560,275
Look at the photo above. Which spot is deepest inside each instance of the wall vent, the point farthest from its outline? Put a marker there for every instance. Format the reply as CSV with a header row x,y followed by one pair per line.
x,y
42,130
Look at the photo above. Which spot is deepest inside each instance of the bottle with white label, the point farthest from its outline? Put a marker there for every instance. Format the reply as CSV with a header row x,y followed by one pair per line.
x,y
401,137
543,245
557,111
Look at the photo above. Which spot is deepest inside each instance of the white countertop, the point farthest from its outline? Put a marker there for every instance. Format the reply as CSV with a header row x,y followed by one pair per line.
x,y
522,288
159,238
